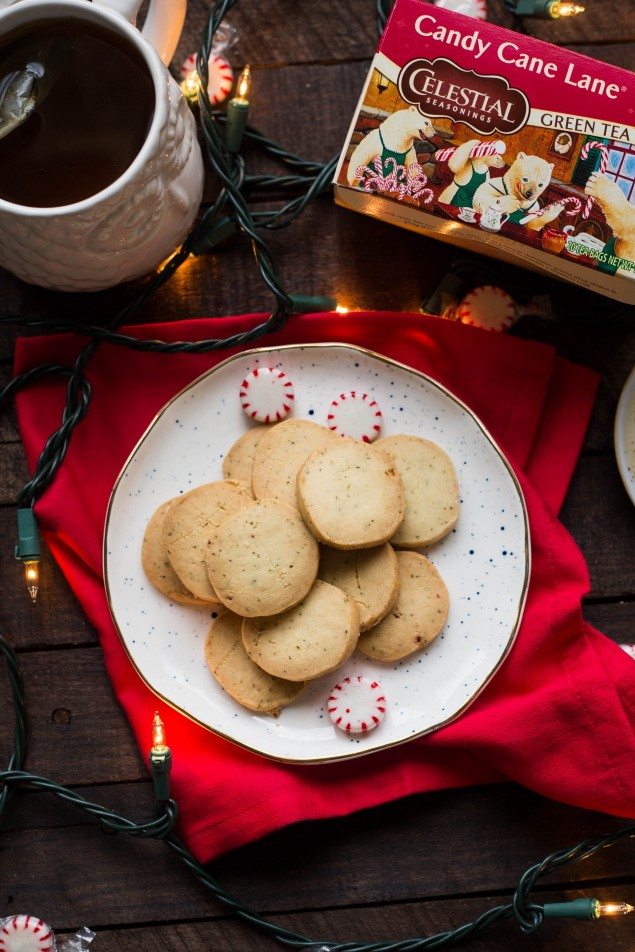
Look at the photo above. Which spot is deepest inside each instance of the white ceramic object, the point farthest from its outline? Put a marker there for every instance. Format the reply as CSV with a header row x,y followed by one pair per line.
x,y
624,435
484,561
125,230
493,220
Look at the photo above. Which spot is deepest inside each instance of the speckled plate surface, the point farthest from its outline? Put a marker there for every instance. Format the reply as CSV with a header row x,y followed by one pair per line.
x,y
624,436
484,561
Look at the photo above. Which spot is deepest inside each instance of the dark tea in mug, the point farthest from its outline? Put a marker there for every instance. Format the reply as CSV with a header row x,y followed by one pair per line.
x,y
76,104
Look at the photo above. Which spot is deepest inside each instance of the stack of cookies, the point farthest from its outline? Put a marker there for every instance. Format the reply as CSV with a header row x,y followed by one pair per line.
x,y
306,551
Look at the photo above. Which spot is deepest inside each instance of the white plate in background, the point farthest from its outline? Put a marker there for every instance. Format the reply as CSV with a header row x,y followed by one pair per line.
x,y
624,435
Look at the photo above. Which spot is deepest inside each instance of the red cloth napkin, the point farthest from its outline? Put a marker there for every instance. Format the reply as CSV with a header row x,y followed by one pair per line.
x,y
558,717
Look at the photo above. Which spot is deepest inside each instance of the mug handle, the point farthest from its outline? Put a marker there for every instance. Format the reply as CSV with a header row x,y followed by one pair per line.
x,y
163,25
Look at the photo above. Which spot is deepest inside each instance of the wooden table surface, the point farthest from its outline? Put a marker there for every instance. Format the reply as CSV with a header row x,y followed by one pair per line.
x,y
417,866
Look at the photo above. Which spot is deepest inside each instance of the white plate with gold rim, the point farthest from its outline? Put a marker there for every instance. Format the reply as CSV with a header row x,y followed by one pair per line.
x,y
624,435
485,561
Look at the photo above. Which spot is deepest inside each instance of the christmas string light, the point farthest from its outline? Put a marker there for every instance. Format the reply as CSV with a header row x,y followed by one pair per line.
x,y
544,9
237,112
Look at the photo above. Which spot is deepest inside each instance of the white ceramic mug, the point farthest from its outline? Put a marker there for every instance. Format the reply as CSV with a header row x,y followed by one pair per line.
x,y
492,219
125,230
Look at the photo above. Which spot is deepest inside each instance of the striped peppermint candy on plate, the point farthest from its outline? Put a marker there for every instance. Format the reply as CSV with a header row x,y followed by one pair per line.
x,y
357,705
355,415
488,307
266,394
26,934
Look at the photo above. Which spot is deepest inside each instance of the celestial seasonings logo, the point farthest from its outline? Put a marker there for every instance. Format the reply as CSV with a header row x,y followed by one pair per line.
x,y
486,104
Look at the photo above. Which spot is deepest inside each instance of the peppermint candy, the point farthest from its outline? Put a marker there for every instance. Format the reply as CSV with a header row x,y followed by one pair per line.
x,y
488,307
469,8
357,705
266,394
220,76
26,934
355,415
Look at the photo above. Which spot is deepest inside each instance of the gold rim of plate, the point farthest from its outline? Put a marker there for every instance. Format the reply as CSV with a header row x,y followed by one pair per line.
x,y
391,363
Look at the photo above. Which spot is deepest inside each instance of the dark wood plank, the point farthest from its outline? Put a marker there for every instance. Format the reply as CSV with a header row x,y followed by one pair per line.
x,y
371,925
621,53
606,346
278,33
588,27
8,422
601,518
616,620
492,832
77,732
13,472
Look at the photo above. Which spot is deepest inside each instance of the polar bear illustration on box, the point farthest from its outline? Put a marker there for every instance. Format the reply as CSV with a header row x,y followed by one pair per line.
x,y
394,138
505,204
468,174
525,180
620,217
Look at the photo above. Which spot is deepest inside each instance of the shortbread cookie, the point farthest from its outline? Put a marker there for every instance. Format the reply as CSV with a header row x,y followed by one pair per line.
x,y
239,461
350,495
189,525
281,453
418,615
156,565
263,559
236,672
307,641
432,492
370,576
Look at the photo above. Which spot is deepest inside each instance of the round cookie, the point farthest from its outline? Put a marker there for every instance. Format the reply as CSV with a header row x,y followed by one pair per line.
x,y
418,615
432,492
263,559
156,565
239,461
370,576
189,525
350,495
306,641
281,453
235,671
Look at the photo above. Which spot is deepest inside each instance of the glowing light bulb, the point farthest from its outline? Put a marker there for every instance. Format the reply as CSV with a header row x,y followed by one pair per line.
x,y
244,85
564,8
612,909
32,577
158,735
191,85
